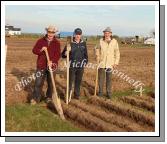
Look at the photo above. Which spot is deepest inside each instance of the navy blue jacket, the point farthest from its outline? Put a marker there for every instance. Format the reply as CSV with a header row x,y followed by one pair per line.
x,y
78,53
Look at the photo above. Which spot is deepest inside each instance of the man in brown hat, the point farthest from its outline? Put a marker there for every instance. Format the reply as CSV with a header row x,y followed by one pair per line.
x,y
52,45
108,56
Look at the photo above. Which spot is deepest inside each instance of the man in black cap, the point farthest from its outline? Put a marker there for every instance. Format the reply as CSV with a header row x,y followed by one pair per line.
x,y
78,59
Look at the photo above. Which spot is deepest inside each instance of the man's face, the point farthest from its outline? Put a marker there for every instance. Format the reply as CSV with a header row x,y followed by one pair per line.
x,y
78,37
50,34
107,35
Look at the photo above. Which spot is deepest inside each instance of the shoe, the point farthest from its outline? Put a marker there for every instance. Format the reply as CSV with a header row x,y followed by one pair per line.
x,y
76,97
109,95
33,102
100,94
48,100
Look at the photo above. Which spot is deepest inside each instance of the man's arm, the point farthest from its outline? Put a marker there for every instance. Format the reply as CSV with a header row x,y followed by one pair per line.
x,y
37,49
117,54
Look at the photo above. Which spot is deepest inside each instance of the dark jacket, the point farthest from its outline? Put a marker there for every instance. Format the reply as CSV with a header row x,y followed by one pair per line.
x,y
53,49
78,53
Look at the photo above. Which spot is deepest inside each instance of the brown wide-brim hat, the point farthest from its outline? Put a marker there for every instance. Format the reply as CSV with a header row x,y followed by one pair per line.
x,y
51,28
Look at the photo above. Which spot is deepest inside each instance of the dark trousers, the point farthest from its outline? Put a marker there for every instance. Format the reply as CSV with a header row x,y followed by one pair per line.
x,y
102,73
75,75
39,81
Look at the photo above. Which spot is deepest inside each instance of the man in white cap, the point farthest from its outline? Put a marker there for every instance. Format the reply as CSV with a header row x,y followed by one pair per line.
x,y
108,56
52,45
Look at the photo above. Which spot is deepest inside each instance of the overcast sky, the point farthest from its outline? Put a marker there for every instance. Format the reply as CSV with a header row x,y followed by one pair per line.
x,y
124,20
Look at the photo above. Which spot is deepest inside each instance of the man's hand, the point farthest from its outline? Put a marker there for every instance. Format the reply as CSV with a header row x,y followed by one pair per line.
x,y
50,63
65,53
43,49
68,47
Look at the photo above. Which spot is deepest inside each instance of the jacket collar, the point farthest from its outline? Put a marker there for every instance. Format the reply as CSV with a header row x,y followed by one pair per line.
x,y
73,41
104,38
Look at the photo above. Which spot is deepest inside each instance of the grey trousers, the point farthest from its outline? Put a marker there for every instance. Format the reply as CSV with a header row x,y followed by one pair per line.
x,y
39,81
102,74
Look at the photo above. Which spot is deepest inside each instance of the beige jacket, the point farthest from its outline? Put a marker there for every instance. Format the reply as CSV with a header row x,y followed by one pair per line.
x,y
108,54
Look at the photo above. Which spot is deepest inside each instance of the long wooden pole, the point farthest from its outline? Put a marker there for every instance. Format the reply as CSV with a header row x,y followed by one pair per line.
x,y
96,81
70,96
67,91
68,65
55,98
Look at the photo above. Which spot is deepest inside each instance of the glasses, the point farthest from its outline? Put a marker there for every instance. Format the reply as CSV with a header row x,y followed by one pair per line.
x,y
51,32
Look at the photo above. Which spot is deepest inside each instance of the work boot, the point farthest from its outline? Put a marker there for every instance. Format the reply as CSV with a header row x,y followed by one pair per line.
x,y
100,94
33,102
76,97
48,100
109,95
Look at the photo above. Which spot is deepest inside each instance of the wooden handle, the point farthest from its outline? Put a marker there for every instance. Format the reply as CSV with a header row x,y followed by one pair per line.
x,y
67,91
70,96
55,98
69,38
47,55
96,82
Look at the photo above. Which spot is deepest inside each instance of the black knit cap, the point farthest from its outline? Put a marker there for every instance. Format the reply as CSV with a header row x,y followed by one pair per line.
x,y
77,31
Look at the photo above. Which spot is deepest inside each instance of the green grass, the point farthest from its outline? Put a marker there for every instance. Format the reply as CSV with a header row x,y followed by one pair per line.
x,y
117,94
129,92
23,117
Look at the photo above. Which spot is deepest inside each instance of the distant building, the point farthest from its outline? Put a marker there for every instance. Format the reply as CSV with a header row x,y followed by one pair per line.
x,y
150,41
11,30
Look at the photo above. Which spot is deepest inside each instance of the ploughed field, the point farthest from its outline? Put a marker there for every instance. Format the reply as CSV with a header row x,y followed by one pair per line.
x,y
126,111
